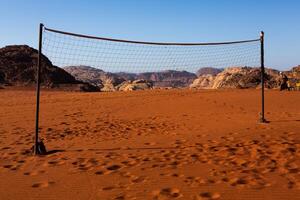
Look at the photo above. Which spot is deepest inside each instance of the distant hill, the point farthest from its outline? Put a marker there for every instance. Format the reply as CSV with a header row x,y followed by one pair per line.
x,y
98,77
95,76
86,74
18,68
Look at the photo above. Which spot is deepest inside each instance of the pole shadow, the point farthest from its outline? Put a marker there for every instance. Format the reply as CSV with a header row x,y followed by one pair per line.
x,y
285,120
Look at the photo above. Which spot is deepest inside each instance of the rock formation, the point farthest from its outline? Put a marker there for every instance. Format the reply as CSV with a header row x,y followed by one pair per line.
x,y
135,85
203,82
109,81
169,78
86,74
18,68
294,75
105,80
208,71
237,77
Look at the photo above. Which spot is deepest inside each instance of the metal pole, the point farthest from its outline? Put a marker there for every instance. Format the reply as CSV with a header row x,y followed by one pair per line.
x,y
38,80
262,59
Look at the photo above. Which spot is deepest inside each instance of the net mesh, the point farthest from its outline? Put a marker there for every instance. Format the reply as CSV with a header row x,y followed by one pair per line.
x,y
69,50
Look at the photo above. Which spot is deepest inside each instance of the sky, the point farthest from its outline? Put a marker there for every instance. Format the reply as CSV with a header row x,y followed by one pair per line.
x,y
162,21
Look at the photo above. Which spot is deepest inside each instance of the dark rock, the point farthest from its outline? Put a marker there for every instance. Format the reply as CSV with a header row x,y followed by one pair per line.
x,y
2,77
18,65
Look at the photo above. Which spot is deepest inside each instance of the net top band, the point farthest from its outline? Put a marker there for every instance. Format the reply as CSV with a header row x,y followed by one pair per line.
x,y
148,43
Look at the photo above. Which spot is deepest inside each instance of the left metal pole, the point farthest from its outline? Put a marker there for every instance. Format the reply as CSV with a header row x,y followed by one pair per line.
x,y
38,82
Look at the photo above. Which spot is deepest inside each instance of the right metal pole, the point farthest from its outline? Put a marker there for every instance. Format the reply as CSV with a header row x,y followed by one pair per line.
x,y
262,59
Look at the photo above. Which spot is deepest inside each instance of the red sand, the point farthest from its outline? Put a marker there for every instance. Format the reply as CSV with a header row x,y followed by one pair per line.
x,y
160,144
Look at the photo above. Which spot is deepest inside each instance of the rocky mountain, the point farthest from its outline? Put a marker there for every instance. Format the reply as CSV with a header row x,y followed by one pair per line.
x,y
18,68
209,71
109,81
96,76
237,77
169,78
86,74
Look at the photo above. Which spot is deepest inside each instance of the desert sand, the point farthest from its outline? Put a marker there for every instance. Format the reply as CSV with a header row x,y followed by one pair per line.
x,y
158,144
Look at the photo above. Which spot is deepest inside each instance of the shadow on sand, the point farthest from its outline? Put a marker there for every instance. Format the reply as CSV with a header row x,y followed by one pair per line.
x,y
54,151
285,120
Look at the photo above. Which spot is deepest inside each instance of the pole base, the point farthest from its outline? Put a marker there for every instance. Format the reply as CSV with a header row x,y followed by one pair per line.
x,y
263,120
39,149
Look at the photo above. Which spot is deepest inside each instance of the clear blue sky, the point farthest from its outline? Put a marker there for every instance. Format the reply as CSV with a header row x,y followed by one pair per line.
x,y
161,20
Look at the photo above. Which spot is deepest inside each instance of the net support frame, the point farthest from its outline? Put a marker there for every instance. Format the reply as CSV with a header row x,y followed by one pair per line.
x,y
39,65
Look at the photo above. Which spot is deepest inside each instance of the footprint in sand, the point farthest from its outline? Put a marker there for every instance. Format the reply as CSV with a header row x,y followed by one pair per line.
x,y
120,197
85,167
34,173
42,184
208,196
7,166
150,143
166,193
113,167
99,172
53,163
107,188
138,179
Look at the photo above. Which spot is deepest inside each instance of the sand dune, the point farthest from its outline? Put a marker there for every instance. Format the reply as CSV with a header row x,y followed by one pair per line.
x,y
160,144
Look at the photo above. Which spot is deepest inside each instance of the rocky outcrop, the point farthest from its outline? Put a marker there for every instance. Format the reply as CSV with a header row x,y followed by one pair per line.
x,y
18,64
110,84
208,71
104,80
237,77
135,85
294,75
99,77
203,82
296,69
109,81
86,74
2,77
18,68
169,78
